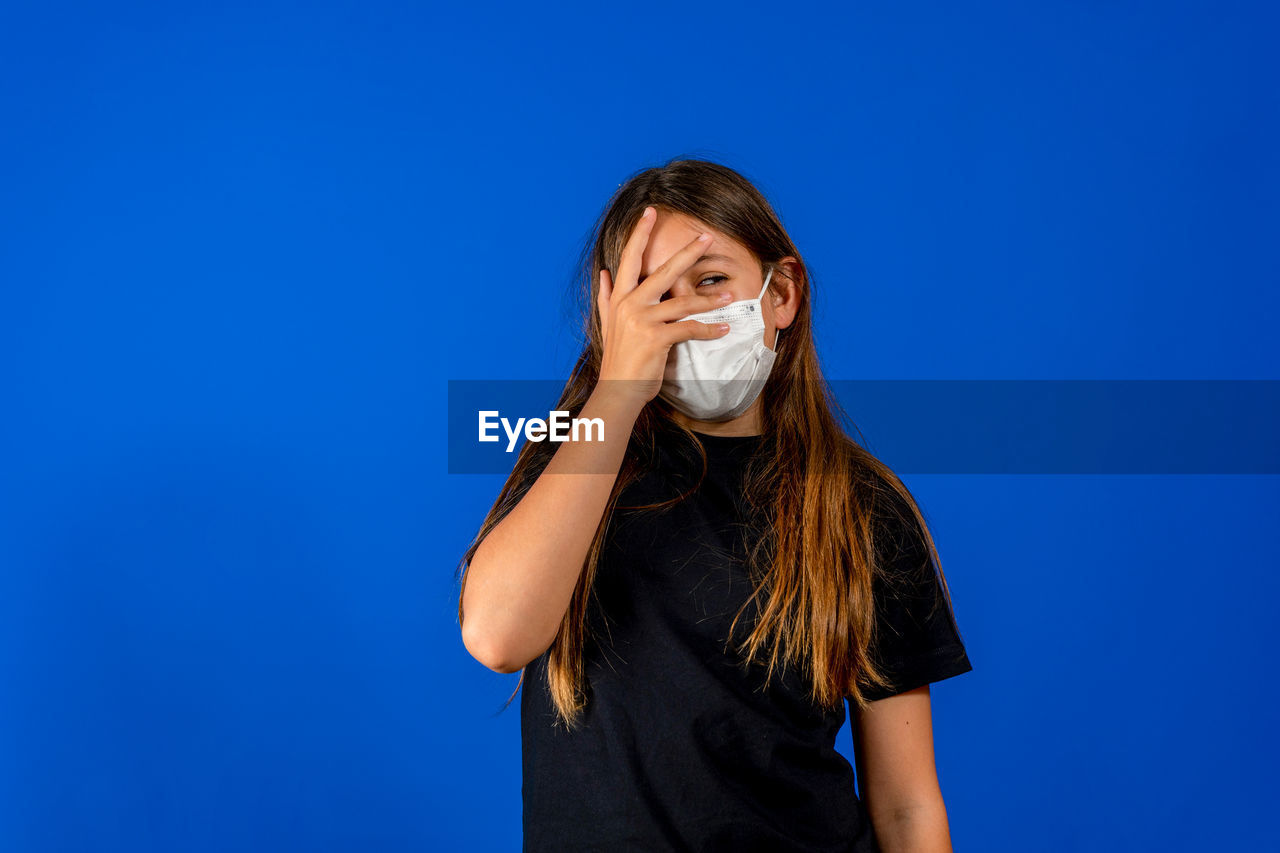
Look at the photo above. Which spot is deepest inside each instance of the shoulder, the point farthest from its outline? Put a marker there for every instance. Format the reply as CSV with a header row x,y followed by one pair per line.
x,y
901,541
887,500
895,520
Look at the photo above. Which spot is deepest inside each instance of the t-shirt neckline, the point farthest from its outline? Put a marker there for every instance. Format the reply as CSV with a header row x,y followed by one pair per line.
x,y
729,448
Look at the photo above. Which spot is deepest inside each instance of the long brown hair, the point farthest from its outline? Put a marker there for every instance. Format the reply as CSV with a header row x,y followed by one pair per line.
x,y
824,491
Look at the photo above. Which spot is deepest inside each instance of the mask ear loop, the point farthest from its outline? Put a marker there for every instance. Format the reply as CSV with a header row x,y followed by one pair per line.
x,y
777,333
766,284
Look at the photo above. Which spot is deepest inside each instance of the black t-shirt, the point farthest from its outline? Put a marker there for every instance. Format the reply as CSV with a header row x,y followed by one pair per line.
x,y
678,749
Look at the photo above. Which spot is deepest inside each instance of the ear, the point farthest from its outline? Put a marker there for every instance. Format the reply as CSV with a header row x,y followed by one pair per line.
x,y
784,291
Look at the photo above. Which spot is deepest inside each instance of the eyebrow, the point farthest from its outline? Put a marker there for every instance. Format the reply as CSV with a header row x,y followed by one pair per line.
x,y
713,258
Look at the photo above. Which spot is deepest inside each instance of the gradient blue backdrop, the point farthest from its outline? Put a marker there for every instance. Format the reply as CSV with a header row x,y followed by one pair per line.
x,y
243,250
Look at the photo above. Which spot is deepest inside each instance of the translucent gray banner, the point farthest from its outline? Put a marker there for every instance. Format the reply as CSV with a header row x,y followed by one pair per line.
x,y
925,426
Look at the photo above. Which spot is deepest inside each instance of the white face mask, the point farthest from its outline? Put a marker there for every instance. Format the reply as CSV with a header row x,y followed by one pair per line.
x,y
717,379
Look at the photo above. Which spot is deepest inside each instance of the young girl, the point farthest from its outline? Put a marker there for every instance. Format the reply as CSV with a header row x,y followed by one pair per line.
x,y
692,599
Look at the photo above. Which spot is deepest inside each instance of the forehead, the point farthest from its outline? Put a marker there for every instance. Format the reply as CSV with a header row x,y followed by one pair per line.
x,y
673,231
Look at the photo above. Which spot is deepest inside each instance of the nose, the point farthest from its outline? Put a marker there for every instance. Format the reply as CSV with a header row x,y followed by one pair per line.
x,y
680,287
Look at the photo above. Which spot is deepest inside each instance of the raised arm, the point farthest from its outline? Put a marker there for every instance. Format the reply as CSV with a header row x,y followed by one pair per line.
x,y
521,578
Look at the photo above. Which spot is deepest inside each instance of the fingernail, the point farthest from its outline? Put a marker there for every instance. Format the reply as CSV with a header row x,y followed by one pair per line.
x,y
725,297
704,237
724,327
646,212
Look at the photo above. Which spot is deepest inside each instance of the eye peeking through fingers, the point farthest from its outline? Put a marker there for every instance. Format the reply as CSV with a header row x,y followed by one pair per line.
x,y
714,279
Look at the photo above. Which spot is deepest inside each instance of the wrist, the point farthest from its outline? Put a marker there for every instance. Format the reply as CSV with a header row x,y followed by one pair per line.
x,y
618,403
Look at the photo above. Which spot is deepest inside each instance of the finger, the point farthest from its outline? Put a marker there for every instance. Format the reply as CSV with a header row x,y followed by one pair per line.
x,y
679,307
604,288
633,252
687,330
661,279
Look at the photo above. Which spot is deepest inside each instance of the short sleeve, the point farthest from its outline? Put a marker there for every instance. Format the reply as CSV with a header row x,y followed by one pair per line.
x,y
917,639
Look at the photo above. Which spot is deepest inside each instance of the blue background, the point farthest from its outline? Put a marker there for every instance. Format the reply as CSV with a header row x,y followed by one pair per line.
x,y
242,251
